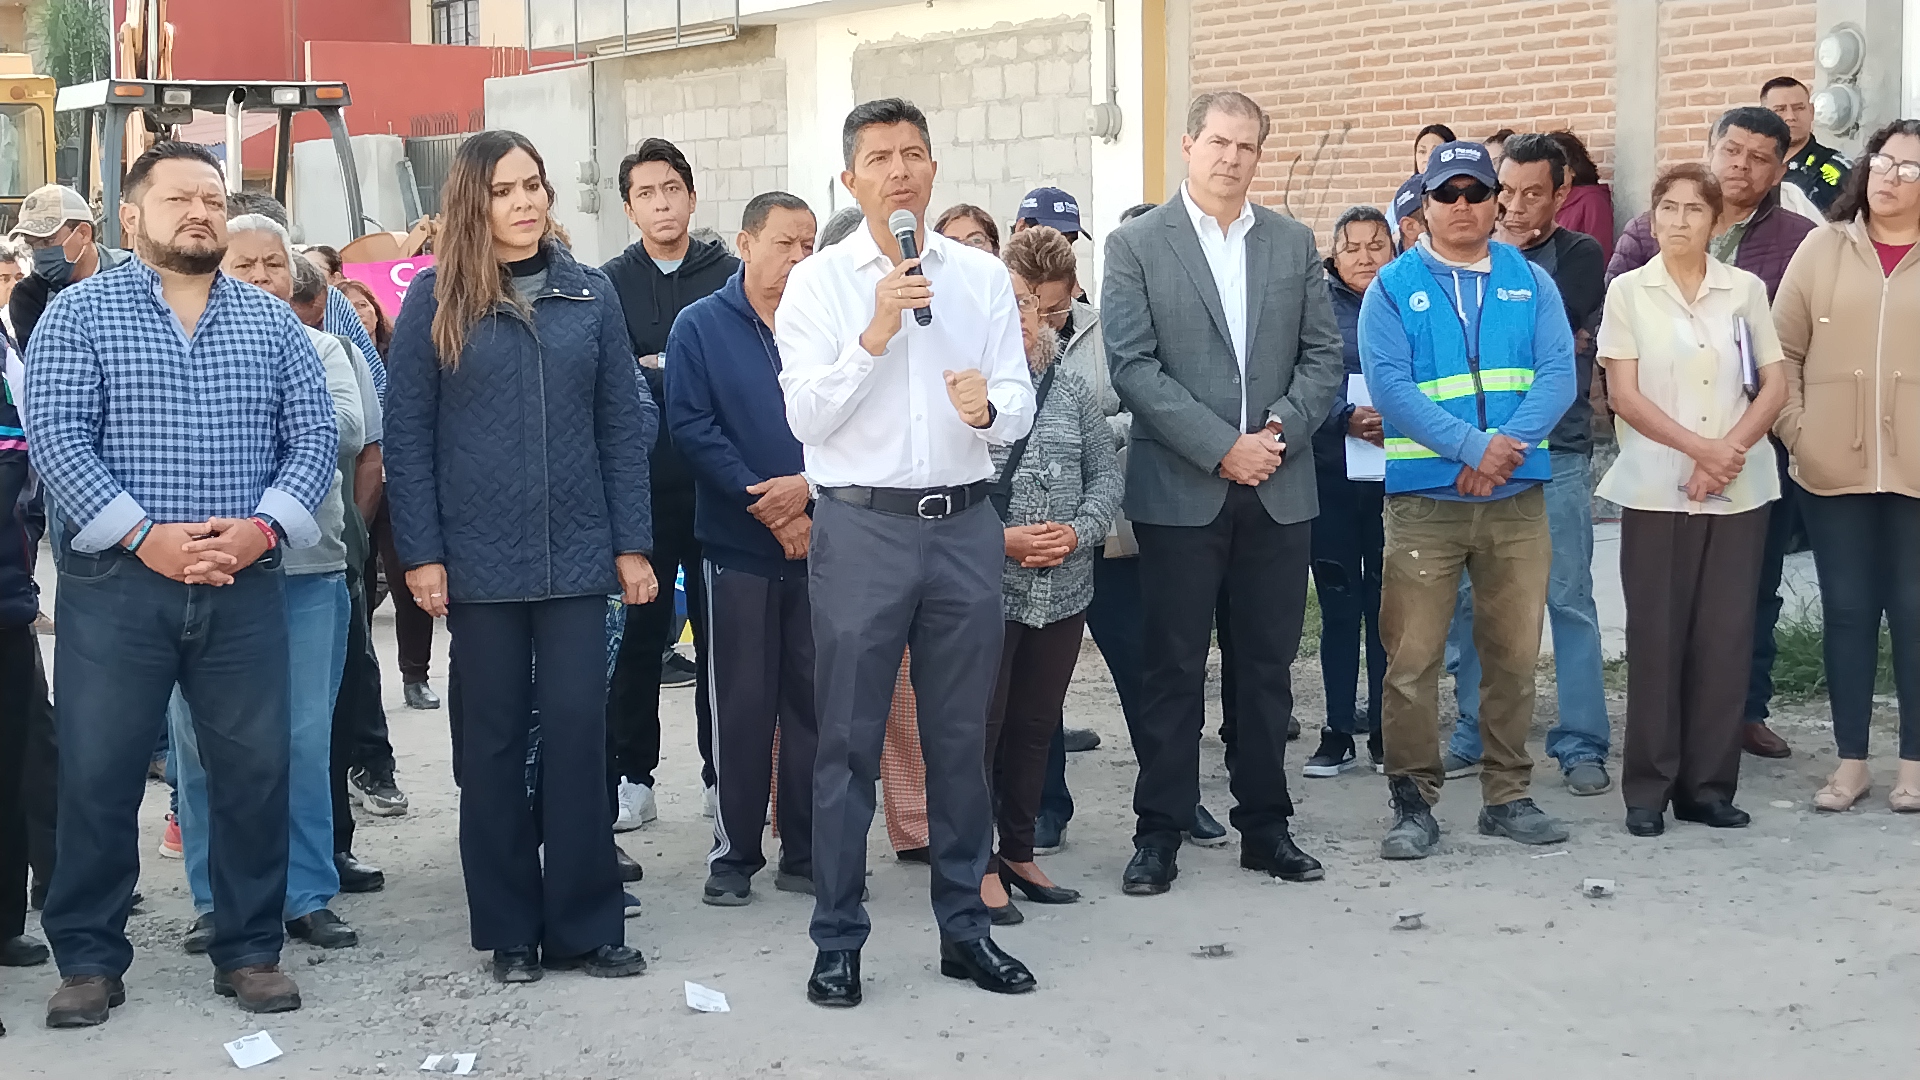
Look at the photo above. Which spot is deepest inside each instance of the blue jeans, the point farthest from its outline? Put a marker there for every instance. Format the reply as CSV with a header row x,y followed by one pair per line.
x,y
1784,528
1582,735
317,609
127,637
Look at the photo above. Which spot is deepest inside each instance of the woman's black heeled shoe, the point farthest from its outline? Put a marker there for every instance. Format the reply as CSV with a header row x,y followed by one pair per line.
x,y
1006,915
1039,894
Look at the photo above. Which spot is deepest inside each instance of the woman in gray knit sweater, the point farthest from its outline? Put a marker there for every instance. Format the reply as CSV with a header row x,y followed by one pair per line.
x,y
1058,491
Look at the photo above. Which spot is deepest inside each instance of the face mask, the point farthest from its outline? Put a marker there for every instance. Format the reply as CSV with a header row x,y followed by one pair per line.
x,y
51,265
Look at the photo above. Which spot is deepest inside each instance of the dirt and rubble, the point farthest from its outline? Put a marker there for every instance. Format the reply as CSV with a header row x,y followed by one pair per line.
x,y
1788,948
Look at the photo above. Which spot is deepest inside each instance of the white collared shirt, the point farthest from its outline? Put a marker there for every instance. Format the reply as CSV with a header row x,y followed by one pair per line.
x,y
1226,253
886,421
1689,368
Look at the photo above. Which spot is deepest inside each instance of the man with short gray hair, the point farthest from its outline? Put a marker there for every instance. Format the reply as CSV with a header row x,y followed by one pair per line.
x,y
258,252
1224,346
752,519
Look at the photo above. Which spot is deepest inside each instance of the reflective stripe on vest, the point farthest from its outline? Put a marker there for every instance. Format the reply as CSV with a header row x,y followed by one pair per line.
x,y
1403,449
1515,380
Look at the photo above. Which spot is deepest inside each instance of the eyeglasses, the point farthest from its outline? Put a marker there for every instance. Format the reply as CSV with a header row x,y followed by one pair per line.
x,y
1475,193
57,238
1906,172
1030,304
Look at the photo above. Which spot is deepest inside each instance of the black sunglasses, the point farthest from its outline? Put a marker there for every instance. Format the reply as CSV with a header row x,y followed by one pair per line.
x,y
1475,193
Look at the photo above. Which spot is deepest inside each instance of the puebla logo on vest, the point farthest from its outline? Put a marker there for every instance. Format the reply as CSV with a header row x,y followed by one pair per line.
x,y
1513,294
1419,302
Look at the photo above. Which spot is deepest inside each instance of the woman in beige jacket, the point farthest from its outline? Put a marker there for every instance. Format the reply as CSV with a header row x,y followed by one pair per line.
x,y
1848,313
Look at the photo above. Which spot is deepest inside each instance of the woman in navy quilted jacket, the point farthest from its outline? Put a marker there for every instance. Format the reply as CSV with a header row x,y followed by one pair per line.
x,y
516,453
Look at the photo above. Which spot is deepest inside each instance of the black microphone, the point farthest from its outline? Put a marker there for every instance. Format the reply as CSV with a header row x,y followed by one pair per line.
x,y
903,227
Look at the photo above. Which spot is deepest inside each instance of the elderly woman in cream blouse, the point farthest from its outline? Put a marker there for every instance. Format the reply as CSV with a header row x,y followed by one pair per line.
x,y
1692,372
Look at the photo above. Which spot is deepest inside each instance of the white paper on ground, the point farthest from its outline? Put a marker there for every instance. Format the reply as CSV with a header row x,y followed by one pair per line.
x,y
250,1050
457,1064
1365,461
706,999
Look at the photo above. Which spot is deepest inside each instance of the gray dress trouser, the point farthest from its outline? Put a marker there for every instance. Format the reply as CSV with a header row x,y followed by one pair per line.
x,y
880,583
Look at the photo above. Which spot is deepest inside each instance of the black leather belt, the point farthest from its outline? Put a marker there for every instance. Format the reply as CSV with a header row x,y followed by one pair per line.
x,y
931,504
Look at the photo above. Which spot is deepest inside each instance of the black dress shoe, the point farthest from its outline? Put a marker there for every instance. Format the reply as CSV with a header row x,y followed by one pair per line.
x,y
1719,814
983,962
22,952
630,871
835,982
323,930
1280,857
1005,915
1206,831
914,854
1644,822
356,876
605,962
1150,872
1080,740
521,965
1039,894
199,935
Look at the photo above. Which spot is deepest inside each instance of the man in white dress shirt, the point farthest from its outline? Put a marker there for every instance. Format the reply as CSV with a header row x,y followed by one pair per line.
x,y
897,418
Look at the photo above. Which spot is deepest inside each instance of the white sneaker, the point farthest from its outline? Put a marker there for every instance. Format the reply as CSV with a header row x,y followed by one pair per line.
x,y
636,807
712,809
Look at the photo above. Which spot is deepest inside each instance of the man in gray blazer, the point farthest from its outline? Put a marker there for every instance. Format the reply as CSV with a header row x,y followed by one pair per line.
x,y
1224,347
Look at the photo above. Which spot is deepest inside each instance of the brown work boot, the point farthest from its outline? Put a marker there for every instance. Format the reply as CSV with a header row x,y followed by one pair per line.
x,y
258,988
84,1001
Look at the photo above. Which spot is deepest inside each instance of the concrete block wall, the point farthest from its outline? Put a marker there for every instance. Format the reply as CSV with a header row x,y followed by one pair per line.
x,y
1348,83
1715,55
730,122
1006,107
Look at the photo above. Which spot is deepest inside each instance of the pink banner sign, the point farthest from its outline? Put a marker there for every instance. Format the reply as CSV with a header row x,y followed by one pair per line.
x,y
388,280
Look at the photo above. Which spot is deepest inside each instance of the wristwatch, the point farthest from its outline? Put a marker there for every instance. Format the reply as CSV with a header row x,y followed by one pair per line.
x,y
992,415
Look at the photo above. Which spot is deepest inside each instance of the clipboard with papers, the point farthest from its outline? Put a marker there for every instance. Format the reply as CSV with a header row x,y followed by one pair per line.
x,y
1365,461
1749,368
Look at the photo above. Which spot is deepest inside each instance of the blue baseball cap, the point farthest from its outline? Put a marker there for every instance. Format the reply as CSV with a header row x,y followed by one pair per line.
x,y
1462,158
1408,200
1051,207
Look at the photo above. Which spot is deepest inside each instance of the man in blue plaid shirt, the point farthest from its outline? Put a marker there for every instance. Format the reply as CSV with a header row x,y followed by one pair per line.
x,y
181,423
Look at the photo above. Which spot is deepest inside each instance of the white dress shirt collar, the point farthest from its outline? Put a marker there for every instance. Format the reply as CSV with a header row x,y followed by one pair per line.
x,y
1202,219
866,250
1226,255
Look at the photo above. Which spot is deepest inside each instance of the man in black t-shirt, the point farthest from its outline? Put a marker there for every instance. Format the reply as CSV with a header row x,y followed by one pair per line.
x,y
657,277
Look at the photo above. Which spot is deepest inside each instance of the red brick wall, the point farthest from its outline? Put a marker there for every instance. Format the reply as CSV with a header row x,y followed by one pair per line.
x,y
1349,82
1714,56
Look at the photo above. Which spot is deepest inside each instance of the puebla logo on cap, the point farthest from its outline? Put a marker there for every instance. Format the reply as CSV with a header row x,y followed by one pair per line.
x,y
1419,302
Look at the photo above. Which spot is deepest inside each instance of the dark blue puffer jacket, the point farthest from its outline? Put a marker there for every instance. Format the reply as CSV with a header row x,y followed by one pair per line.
x,y
524,469
1330,438
19,597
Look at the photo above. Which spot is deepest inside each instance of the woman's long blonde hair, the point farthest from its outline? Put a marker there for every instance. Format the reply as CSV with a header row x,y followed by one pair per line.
x,y
469,282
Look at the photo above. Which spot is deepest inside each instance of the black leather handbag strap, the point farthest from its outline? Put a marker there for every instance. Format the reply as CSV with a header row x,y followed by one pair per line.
x,y
1002,494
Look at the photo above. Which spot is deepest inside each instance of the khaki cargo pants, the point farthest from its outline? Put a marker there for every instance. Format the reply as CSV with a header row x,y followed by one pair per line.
x,y
1505,548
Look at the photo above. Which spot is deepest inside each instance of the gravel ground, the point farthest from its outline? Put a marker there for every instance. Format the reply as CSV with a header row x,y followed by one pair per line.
x,y
1789,947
